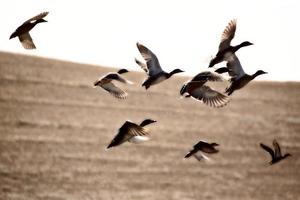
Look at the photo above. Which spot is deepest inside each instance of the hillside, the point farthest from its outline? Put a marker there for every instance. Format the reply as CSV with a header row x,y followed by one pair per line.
x,y
54,127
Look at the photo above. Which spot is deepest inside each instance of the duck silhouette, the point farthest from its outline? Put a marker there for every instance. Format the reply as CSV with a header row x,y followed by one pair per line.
x,y
225,48
131,132
239,78
196,89
106,82
22,32
276,153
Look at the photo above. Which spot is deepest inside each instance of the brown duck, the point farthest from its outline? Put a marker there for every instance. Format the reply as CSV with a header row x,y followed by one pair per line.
x,y
200,148
106,83
131,132
196,89
22,32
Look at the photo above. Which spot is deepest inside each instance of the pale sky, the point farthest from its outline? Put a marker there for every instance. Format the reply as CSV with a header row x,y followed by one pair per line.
x,y
182,33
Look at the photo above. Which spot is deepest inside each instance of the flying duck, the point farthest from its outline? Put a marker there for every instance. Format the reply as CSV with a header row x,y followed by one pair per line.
x,y
152,67
131,132
200,148
225,49
22,32
195,88
238,77
106,83
276,154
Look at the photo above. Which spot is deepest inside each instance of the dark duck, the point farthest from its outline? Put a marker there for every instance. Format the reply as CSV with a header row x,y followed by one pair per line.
x,y
131,132
225,49
276,153
197,89
152,67
239,78
22,32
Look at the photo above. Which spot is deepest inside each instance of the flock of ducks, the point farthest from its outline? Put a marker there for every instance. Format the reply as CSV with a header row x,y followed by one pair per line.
x,y
195,88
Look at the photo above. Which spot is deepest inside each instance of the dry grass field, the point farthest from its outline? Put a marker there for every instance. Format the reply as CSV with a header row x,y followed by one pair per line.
x,y
54,128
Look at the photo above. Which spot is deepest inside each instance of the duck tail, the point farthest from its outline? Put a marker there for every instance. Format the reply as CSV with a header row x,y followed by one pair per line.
x,y
189,154
14,34
122,71
222,70
146,84
212,62
229,91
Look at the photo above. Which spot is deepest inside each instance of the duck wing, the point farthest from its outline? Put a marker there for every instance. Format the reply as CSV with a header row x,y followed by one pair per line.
x,y
37,17
127,131
209,96
26,41
277,149
114,90
268,149
235,68
207,76
228,35
116,77
200,156
151,60
142,65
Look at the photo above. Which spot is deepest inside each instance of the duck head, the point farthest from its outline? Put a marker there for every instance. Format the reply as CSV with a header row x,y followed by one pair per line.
x,y
259,72
147,121
122,71
183,89
40,21
175,71
286,155
246,43
214,144
96,83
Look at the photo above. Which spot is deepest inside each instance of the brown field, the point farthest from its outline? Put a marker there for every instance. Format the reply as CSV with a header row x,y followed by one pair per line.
x,y
54,128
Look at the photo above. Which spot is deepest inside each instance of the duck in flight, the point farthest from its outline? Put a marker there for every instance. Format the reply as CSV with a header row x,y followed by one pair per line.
x,y
196,89
239,78
276,153
106,83
22,32
152,67
131,132
200,148
225,49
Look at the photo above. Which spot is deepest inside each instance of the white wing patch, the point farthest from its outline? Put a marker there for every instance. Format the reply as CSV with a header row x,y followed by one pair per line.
x,y
200,156
138,139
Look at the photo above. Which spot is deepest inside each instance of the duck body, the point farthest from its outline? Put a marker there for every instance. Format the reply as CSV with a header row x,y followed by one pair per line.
x,y
237,84
241,82
155,79
239,78
24,28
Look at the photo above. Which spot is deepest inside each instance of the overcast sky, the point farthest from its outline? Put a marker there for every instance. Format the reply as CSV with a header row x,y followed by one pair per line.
x,y
182,33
